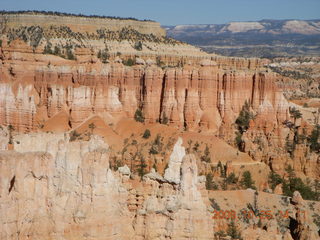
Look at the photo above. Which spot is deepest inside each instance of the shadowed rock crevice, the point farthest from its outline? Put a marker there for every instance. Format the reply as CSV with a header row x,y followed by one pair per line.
x,y
12,182
293,225
163,86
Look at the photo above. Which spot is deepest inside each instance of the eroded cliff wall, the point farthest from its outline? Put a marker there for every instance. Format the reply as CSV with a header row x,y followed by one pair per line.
x,y
68,191
35,87
54,188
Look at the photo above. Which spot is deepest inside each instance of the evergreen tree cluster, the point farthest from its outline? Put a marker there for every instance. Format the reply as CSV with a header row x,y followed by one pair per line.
x,y
293,183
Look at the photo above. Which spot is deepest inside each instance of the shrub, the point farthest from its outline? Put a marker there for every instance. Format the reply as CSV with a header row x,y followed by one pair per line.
x,y
74,135
157,140
57,51
103,55
11,129
142,167
222,169
274,179
188,150
47,49
231,179
242,123
290,146
295,114
290,171
159,62
233,231
239,141
138,115
214,204
117,163
154,166
129,62
220,234
196,147
70,55
153,150
316,186
165,119
316,219
12,73
138,46
296,184
247,181
146,134
314,139
156,145
206,156
92,126
244,118
210,185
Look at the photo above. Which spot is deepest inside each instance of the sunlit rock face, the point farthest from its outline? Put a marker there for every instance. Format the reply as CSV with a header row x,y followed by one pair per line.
x,y
66,190
194,97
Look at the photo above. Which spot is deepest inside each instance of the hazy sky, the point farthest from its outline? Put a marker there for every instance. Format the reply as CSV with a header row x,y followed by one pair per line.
x,y
172,12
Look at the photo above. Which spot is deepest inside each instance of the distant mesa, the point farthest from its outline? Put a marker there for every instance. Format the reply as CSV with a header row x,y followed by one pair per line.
x,y
265,38
78,22
53,13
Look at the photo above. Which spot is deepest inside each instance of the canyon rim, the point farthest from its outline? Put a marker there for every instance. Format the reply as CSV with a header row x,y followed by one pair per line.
x,y
112,130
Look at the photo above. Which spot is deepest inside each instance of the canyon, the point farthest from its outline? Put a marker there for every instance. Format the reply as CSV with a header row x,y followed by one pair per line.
x,y
78,97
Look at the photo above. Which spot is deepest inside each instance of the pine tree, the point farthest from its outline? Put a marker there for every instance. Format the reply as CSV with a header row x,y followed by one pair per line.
x,y
314,139
206,156
138,115
146,134
11,129
295,114
233,231
274,180
247,181
92,126
142,167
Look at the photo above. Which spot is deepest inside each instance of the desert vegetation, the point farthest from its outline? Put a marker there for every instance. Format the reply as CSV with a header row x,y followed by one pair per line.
x,y
55,13
103,55
242,123
138,115
290,184
61,51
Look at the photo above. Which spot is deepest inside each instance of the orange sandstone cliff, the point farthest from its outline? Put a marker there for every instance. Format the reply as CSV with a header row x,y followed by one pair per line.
x,y
201,96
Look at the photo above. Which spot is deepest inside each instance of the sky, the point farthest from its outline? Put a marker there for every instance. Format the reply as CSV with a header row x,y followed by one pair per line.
x,y
175,12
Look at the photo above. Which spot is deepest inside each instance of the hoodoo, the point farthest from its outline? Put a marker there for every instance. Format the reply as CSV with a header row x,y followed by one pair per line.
x,y
111,130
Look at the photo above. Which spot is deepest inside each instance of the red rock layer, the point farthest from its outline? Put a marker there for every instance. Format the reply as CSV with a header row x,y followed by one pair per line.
x,y
35,87
190,97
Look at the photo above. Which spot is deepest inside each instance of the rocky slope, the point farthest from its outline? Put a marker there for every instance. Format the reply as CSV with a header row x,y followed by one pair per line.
x,y
54,188
301,76
69,191
67,36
